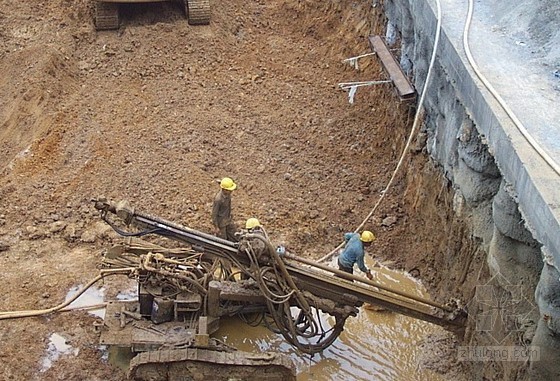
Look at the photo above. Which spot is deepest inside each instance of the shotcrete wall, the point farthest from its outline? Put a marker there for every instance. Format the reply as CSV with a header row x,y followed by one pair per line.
x,y
459,127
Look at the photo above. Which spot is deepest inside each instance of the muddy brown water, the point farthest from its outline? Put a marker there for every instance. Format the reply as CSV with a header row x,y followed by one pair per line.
x,y
375,345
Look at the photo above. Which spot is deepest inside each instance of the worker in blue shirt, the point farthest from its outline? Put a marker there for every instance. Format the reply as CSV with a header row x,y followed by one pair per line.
x,y
353,252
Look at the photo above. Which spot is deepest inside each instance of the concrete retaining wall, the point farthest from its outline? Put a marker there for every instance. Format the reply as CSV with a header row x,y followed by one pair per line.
x,y
475,144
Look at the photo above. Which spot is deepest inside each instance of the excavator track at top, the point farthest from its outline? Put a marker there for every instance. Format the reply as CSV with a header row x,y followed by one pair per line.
x,y
107,12
198,11
106,15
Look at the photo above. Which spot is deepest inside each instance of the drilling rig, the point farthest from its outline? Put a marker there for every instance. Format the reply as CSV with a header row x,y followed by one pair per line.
x,y
184,291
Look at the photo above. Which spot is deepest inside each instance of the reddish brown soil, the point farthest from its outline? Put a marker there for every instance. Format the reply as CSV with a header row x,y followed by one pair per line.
x,y
157,111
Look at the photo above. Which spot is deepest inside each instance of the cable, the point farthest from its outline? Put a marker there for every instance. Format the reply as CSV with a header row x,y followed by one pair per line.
x,y
127,234
82,308
21,314
410,136
536,146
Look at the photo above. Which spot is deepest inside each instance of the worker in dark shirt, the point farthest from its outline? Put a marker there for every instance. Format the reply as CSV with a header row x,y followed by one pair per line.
x,y
221,210
353,252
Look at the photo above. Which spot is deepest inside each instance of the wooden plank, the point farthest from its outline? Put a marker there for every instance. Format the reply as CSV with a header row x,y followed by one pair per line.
x,y
404,88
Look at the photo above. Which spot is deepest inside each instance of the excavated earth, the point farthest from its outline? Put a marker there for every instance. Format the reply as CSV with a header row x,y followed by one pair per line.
x,y
157,111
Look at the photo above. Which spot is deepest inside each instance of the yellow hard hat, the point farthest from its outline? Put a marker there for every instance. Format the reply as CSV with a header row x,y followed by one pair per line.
x,y
367,236
252,223
228,184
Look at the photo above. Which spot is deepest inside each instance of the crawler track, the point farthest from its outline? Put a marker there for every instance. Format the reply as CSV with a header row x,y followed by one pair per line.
x,y
192,363
198,11
106,15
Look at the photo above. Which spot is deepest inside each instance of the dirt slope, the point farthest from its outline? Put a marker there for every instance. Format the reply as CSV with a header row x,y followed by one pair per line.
x,y
157,111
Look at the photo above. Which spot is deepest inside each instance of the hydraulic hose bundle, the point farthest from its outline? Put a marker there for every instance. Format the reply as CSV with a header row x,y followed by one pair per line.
x,y
283,298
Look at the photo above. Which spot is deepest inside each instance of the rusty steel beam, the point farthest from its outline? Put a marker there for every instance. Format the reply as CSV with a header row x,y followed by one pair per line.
x,y
404,88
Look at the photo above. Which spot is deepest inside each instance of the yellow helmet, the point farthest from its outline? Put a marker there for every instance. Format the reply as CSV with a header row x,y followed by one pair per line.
x,y
252,223
367,236
228,184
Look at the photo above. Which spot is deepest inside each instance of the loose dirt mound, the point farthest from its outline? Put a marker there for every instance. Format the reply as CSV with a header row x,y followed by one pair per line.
x,y
156,112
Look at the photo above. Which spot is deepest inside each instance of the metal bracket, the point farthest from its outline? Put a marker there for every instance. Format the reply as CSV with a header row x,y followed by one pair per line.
x,y
353,87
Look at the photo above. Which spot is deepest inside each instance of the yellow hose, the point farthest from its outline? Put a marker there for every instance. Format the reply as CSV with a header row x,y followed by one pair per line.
x,y
30,313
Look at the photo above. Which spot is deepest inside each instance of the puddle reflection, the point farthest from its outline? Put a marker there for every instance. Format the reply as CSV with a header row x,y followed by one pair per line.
x,y
92,296
57,346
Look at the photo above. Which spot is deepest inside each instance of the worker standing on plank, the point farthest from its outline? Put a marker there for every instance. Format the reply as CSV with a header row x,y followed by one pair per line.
x,y
221,210
353,252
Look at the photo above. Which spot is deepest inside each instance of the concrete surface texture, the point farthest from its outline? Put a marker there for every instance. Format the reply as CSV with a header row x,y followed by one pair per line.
x,y
516,47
